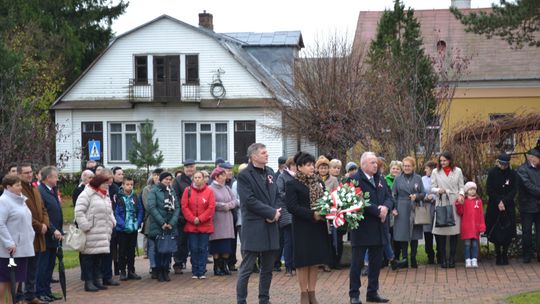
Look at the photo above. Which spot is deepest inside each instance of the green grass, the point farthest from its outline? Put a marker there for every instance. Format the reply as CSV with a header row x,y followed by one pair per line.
x,y
525,298
68,210
71,259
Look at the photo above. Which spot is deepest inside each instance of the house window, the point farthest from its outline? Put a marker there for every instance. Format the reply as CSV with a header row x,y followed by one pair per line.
x,y
205,141
141,69
192,69
508,142
121,138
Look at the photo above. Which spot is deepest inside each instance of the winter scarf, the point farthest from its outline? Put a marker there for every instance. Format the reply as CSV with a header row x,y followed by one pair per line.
x,y
313,183
168,203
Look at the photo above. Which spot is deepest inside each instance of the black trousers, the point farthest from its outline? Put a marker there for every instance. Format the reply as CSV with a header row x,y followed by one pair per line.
x,y
232,258
182,252
441,246
428,238
527,221
375,254
127,242
91,266
405,248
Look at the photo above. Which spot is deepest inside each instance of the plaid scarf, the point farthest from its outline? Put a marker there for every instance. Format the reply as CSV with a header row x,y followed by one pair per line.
x,y
314,184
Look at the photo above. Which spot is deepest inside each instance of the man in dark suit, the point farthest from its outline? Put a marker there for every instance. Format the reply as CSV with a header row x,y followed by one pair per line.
x,y
53,236
260,214
370,233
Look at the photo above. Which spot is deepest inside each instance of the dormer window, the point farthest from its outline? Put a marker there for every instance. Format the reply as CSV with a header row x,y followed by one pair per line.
x,y
441,46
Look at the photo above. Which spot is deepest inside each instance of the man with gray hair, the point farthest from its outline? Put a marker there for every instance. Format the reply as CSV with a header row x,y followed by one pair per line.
x,y
371,233
260,233
49,194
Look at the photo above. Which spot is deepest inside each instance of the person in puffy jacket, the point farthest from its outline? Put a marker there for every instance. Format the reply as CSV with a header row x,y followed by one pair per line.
x,y
129,213
164,212
198,206
94,216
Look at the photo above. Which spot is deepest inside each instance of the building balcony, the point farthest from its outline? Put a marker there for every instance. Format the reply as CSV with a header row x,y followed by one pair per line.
x,y
163,92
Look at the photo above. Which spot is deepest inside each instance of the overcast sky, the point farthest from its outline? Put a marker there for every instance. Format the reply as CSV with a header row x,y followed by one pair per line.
x,y
314,18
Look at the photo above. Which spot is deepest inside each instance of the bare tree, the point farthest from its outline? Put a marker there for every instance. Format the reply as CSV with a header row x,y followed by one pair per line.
x,y
325,104
408,122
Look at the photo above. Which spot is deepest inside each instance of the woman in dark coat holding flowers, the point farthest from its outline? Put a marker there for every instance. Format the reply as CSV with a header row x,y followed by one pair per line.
x,y
501,210
311,241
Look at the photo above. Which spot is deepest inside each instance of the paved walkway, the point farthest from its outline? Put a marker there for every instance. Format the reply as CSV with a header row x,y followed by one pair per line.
x,y
427,284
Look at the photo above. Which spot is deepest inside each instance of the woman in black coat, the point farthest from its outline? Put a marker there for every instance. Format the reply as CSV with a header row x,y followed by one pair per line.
x,y
501,210
311,241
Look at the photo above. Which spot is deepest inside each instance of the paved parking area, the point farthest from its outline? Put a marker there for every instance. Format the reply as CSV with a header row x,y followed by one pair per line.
x,y
427,284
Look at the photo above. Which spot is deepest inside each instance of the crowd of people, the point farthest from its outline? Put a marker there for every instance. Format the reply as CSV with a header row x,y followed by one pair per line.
x,y
202,216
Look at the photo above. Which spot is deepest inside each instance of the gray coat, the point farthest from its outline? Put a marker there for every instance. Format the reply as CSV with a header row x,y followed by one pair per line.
x,y
404,228
258,194
223,217
453,184
15,226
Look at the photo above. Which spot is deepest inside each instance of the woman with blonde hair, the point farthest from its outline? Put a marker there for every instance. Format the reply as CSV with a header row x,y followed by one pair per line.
x,y
408,191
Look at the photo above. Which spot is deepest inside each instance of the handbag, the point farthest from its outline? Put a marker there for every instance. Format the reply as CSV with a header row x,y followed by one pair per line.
x,y
421,215
166,243
444,215
76,238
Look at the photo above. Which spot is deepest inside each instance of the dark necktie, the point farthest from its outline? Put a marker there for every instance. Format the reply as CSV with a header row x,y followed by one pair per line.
x,y
372,181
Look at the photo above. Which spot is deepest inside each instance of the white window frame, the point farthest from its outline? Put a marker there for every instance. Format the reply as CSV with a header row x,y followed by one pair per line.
x,y
198,133
123,132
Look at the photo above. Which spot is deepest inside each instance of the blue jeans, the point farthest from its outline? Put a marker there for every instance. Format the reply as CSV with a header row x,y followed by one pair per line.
x,y
387,249
471,248
45,268
288,247
198,246
151,251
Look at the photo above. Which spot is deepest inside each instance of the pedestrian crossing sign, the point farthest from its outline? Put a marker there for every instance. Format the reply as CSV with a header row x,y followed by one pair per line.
x,y
93,149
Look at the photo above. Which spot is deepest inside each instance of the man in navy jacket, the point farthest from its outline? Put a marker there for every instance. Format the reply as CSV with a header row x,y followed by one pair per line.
x,y
370,233
54,235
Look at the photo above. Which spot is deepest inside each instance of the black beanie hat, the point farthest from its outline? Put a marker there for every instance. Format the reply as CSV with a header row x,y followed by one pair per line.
x,y
164,175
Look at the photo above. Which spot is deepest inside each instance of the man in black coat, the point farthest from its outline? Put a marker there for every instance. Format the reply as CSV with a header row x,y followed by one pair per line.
x,y
370,233
260,214
54,235
180,183
529,202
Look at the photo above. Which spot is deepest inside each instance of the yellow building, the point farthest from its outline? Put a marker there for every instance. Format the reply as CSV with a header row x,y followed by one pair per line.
x,y
500,81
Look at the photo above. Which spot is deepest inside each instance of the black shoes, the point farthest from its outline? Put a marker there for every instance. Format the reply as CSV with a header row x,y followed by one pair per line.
x,y
414,263
403,264
376,299
90,287
355,301
123,276
451,263
110,282
99,285
133,276
154,273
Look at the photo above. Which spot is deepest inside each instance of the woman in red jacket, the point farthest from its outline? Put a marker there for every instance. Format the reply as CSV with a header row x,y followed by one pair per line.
x,y
472,223
198,206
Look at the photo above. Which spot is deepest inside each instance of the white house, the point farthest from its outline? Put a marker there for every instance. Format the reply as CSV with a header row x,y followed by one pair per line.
x,y
208,95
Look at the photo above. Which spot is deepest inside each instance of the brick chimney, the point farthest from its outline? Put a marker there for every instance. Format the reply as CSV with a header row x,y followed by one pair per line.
x,y
461,4
206,20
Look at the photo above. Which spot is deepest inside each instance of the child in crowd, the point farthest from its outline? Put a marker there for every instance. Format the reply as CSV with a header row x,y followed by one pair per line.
x,y
129,214
472,223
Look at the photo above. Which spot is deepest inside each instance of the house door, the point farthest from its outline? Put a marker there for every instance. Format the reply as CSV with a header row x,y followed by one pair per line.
x,y
166,78
244,135
91,131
